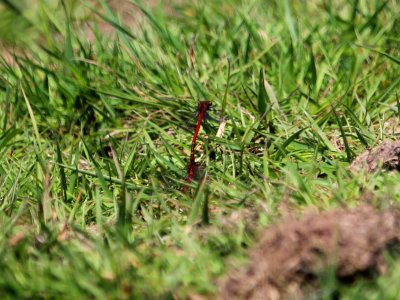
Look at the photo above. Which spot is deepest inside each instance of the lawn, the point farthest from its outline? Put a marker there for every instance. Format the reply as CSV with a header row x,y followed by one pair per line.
x,y
97,113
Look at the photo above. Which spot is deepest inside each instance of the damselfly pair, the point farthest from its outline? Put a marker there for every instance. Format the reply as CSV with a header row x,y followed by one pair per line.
x,y
193,166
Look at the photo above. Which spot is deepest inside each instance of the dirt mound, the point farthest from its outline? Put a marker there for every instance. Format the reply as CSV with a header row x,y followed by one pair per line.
x,y
386,155
291,254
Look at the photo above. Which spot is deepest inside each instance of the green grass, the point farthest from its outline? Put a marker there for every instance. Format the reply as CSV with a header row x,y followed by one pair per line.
x,y
93,152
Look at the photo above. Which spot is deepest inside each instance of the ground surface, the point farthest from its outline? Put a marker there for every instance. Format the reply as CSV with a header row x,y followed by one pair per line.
x,y
291,255
97,110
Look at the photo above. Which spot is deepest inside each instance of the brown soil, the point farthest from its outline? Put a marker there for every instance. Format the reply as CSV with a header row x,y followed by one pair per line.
x,y
291,254
386,155
391,127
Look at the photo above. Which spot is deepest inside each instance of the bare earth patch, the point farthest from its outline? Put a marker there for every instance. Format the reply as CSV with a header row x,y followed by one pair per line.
x,y
386,155
291,254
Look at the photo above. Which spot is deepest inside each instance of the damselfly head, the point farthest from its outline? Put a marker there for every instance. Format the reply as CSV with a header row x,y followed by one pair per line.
x,y
204,105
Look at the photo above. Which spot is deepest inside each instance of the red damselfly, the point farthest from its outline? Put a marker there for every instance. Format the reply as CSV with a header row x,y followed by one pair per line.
x,y
193,167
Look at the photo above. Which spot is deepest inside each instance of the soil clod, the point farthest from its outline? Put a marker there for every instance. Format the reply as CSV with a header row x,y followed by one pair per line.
x,y
386,155
292,254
